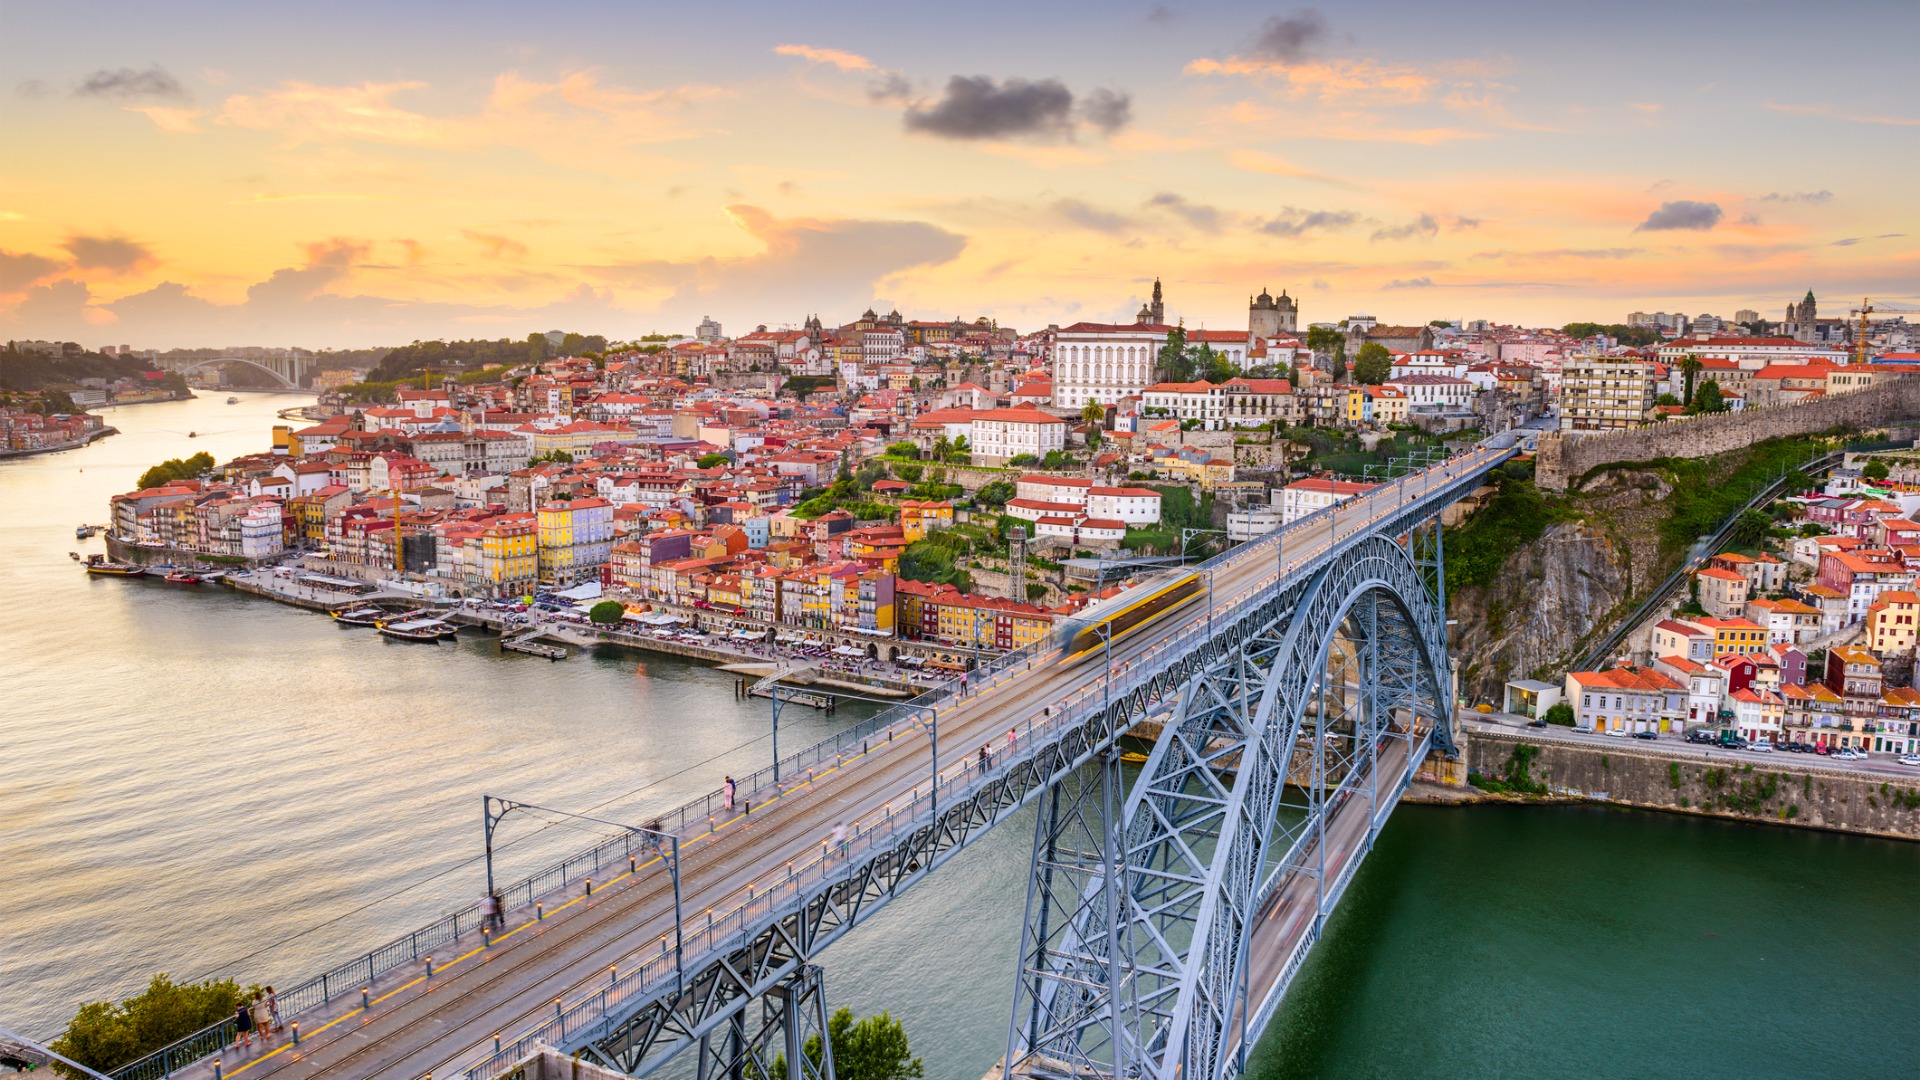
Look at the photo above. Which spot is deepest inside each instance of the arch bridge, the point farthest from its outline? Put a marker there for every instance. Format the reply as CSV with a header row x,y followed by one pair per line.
x,y
289,372
1164,919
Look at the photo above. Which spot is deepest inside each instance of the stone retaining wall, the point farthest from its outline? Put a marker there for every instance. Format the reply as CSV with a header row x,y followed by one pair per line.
x,y
1785,789
1563,458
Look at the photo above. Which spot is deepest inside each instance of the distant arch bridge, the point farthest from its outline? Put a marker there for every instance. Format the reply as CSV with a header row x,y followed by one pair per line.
x,y
288,372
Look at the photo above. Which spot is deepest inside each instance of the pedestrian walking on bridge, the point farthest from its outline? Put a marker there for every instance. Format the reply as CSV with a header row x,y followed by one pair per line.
x,y
727,789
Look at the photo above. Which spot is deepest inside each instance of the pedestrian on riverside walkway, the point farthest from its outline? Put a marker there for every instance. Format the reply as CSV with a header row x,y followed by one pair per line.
x,y
243,1026
727,788
490,913
273,1008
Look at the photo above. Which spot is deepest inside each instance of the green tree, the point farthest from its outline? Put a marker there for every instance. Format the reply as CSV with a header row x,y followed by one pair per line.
x,y
1215,367
1329,347
1875,470
904,449
1707,399
1175,363
104,1035
1559,713
909,473
1023,461
177,469
713,460
871,1049
1751,527
1689,367
994,494
1666,400
1093,414
1373,364
607,613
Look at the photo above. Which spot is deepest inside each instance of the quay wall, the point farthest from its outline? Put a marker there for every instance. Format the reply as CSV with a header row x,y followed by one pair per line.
x,y
1779,789
74,444
1563,458
148,555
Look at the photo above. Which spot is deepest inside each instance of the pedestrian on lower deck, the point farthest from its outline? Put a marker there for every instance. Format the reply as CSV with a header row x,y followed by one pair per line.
x,y
727,790
273,1008
242,1025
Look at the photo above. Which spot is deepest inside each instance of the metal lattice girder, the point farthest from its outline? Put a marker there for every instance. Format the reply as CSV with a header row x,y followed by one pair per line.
x,y
1308,694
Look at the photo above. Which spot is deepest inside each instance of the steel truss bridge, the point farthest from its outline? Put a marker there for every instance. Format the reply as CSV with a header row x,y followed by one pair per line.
x,y
291,372
1164,921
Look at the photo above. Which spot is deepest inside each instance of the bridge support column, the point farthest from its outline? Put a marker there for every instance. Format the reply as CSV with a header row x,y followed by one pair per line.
x,y
790,1041
1069,991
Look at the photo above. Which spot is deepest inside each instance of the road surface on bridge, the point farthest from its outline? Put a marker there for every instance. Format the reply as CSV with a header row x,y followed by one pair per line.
x,y
420,1025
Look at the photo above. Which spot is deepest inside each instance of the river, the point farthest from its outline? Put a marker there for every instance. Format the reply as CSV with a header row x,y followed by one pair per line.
x,y
206,783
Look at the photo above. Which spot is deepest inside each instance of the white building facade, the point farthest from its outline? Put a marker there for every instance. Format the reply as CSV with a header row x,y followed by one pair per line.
x,y
1104,362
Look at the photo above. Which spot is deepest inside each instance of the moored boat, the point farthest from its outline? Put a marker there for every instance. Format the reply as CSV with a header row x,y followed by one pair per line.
x,y
428,630
184,577
102,566
362,616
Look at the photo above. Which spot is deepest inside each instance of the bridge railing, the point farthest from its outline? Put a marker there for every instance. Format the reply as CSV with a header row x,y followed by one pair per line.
x,y
363,970
752,909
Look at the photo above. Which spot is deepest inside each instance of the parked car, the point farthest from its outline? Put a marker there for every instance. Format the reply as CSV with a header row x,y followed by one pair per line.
x,y
1823,750
1648,735
1761,746
1910,759
1615,733
1536,723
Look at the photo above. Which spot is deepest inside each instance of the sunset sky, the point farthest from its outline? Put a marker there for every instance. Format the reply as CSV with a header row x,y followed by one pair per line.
x,y
347,174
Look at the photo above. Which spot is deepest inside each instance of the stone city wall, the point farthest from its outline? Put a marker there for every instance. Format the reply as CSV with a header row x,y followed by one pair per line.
x,y
1785,789
1564,457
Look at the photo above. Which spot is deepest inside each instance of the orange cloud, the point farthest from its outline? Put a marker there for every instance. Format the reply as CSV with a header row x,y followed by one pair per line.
x,y
572,117
839,58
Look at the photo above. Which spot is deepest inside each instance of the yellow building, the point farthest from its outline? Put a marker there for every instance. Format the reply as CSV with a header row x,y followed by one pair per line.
x,y
917,519
1735,635
1206,473
1890,628
509,554
1356,405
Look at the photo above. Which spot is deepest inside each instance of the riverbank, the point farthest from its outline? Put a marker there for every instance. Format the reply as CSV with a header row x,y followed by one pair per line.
x,y
73,444
864,677
1545,766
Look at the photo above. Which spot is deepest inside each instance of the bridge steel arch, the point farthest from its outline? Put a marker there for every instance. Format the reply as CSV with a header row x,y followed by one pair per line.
x,y
1134,959
200,365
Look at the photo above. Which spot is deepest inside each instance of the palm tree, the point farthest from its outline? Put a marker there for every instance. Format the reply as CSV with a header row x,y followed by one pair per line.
x,y
1690,367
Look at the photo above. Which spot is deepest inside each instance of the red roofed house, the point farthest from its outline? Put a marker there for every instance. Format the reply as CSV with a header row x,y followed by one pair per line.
x,y
1722,592
1626,699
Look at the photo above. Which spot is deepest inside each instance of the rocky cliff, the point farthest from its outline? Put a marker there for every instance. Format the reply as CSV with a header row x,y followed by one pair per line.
x,y
1555,593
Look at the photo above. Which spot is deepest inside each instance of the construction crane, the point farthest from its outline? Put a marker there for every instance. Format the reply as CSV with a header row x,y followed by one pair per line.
x,y
1860,337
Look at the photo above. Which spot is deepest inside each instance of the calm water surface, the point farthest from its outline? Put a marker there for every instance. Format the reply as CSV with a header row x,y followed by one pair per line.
x,y
203,783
